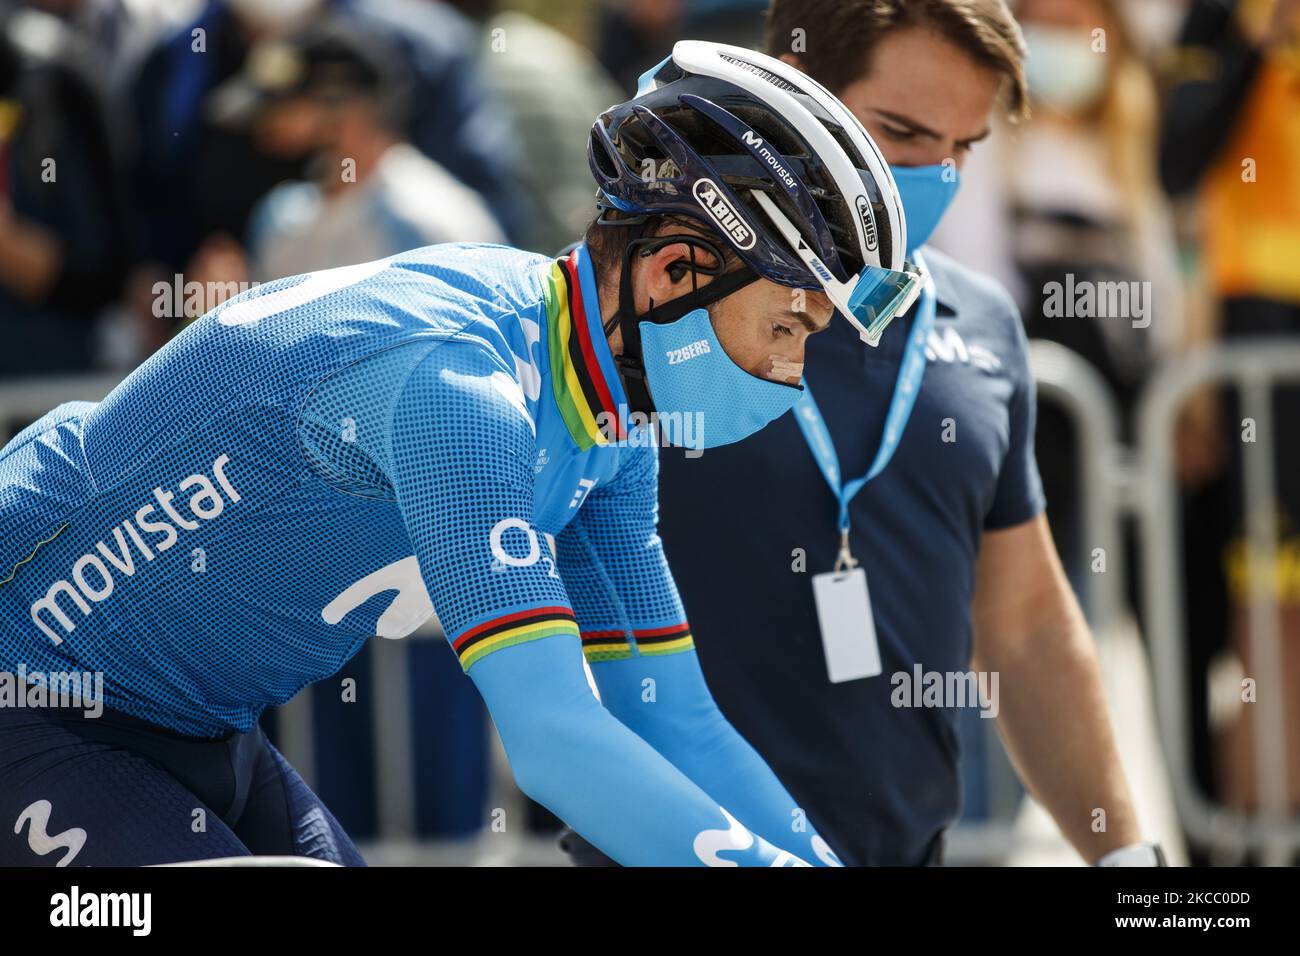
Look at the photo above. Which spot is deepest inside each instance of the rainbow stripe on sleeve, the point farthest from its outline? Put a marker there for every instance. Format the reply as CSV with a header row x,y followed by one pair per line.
x,y
614,645
507,630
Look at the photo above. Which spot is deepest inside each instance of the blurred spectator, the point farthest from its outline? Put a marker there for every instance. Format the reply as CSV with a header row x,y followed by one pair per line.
x,y
1230,138
118,33
199,180
635,35
330,93
1154,26
739,22
61,219
1071,201
554,89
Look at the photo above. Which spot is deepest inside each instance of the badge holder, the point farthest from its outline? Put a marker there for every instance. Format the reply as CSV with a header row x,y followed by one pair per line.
x,y
844,614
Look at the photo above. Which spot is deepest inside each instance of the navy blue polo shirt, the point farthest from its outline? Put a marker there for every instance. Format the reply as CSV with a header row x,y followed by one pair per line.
x,y
881,783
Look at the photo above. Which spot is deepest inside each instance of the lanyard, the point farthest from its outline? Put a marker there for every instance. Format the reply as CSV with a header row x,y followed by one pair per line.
x,y
818,437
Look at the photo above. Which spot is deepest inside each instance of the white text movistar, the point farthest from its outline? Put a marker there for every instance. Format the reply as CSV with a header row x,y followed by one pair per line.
x,y
91,578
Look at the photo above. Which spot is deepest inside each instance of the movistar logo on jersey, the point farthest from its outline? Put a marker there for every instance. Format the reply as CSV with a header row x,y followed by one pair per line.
x,y
739,844
729,220
91,579
947,345
36,817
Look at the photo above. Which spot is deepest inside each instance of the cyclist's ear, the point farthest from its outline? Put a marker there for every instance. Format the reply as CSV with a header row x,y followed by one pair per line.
x,y
666,272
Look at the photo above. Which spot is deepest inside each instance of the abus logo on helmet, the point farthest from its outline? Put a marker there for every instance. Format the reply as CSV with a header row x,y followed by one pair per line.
x,y
708,195
868,223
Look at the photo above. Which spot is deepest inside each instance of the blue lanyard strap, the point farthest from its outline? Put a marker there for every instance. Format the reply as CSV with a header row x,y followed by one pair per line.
x,y
906,388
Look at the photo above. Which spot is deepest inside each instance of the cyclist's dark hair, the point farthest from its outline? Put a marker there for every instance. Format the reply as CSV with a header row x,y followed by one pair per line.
x,y
606,240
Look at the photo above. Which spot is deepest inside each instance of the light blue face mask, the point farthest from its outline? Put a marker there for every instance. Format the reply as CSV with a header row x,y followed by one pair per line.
x,y
927,192
702,398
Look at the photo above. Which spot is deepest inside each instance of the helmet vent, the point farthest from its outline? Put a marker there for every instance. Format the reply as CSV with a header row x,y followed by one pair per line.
x,y
759,71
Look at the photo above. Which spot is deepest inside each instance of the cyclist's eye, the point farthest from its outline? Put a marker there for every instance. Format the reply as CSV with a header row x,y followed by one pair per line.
x,y
779,329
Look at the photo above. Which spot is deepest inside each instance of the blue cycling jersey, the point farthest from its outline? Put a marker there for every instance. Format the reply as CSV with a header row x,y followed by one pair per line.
x,y
233,520
333,456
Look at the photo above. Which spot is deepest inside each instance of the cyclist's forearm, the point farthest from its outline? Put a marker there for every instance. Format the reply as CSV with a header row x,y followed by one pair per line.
x,y
667,703
574,757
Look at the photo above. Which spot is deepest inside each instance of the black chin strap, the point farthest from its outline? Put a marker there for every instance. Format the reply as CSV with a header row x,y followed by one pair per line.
x,y
631,362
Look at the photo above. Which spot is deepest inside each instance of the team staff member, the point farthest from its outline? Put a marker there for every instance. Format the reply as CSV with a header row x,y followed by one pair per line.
x,y
951,535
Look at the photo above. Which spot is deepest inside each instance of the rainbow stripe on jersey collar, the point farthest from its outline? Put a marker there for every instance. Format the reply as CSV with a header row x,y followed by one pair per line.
x,y
584,379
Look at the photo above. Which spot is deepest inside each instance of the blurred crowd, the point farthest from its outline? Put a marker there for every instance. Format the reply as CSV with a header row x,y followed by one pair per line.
x,y
157,156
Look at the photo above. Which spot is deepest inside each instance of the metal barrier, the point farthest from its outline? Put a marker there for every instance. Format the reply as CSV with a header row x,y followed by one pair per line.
x,y
1254,368
1075,385
1115,481
30,398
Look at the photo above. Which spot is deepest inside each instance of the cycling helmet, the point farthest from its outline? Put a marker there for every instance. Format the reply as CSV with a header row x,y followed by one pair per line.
x,y
773,164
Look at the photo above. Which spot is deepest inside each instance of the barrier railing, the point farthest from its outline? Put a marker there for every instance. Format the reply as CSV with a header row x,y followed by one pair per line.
x,y
30,398
1255,368
1076,387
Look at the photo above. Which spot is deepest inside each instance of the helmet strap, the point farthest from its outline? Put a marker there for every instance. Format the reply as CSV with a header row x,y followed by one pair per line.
x,y
631,362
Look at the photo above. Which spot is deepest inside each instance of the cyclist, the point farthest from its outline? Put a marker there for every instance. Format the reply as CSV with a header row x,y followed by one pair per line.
x,y
463,428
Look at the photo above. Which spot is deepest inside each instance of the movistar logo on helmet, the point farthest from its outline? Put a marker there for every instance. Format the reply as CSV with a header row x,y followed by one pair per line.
x,y
729,220
755,143
868,223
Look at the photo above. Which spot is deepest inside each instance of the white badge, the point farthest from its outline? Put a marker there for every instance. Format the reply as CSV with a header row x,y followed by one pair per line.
x,y
848,629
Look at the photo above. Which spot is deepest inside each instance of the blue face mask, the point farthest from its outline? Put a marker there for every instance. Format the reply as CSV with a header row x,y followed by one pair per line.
x,y
703,399
926,191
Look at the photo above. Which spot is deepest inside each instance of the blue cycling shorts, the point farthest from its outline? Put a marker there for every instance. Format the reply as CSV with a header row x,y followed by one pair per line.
x,y
117,791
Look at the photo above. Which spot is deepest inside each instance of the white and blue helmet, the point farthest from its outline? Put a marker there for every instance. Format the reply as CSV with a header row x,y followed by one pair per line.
x,y
774,164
